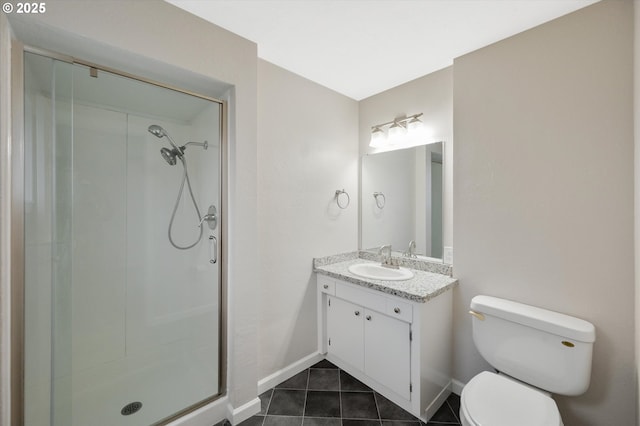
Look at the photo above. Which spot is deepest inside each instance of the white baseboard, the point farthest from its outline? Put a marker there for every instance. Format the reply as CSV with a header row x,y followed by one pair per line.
x,y
242,413
288,372
456,386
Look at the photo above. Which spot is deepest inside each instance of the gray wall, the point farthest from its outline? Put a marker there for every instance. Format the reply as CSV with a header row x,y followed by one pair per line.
x,y
543,190
307,148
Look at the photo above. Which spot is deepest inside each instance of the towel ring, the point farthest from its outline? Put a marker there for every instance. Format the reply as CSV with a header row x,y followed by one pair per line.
x,y
378,196
338,194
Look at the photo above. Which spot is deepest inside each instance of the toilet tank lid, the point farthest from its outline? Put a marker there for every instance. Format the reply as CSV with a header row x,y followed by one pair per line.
x,y
531,316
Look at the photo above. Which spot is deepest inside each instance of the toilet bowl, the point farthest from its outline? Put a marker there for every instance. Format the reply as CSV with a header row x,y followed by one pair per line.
x,y
491,399
538,352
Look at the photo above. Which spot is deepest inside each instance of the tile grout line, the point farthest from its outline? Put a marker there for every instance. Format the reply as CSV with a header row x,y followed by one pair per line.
x,y
306,394
375,400
340,393
455,415
268,405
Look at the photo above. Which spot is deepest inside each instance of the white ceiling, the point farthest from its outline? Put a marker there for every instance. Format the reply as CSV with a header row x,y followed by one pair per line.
x,y
363,47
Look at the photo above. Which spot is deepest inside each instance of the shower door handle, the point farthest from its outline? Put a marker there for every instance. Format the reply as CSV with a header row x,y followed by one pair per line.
x,y
213,249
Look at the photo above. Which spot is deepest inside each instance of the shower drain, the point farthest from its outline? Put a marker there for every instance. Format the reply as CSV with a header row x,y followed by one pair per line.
x,y
131,408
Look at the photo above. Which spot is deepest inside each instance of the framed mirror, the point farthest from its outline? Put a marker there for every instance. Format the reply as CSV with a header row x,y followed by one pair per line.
x,y
401,200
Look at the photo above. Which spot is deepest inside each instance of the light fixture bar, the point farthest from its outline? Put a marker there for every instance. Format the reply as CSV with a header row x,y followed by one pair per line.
x,y
401,121
406,131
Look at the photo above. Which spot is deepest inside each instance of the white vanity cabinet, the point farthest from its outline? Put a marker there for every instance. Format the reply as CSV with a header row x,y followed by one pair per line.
x,y
398,347
387,349
345,331
370,341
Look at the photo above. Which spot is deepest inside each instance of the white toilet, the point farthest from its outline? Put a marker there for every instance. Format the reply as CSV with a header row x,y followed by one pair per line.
x,y
537,352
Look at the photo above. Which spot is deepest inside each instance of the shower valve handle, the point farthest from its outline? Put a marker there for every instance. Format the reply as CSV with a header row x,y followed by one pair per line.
x,y
211,217
208,218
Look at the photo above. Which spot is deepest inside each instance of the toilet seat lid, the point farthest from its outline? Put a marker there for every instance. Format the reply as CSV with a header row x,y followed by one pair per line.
x,y
491,399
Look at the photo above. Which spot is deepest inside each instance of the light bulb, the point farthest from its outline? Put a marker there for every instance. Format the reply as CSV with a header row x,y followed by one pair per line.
x,y
415,125
396,133
378,138
416,130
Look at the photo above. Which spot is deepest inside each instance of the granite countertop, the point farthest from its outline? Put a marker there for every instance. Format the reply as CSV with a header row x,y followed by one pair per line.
x,y
421,288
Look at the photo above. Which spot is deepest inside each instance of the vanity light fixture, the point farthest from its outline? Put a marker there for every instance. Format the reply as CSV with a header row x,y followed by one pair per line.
x,y
378,138
399,131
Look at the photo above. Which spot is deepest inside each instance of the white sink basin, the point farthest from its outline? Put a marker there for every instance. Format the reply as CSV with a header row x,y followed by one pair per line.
x,y
377,272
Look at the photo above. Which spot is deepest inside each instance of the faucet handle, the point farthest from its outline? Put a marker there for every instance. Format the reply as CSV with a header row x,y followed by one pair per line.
x,y
411,252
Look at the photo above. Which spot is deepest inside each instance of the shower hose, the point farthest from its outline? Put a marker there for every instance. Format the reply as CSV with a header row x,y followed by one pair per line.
x,y
185,178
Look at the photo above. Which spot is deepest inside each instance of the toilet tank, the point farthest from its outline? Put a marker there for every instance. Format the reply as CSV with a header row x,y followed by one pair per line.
x,y
546,349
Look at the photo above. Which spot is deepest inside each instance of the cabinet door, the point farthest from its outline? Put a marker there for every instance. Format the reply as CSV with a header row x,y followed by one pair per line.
x,y
388,352
345,334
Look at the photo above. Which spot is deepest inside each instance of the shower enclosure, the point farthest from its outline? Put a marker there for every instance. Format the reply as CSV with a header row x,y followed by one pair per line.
x,y
124,301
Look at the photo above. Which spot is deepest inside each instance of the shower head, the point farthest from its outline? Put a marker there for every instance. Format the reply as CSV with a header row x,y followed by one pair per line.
x,y
169,156
159,132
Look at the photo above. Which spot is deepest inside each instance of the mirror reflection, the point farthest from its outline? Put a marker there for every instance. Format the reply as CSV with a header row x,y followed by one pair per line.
x,y
401,200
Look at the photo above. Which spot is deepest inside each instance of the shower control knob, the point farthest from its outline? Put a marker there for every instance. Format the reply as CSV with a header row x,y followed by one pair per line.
x,y
211,218
357,313
368,317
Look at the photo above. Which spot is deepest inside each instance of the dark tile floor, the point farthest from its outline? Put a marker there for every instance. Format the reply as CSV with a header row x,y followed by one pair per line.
x,y
324,395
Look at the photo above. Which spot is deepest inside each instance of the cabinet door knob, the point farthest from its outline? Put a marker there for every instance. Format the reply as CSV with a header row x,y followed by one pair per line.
x,y
357,313
368,317
396,310
326,286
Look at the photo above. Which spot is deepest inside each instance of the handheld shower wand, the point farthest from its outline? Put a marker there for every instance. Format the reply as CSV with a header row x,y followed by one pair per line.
x,y
169,156
159,132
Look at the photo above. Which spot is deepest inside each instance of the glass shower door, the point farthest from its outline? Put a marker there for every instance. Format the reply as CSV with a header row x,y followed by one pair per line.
x,y
48,240
128,322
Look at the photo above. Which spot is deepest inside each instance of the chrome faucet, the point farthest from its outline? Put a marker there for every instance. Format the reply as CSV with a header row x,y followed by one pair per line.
x,y
385,257
412,250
